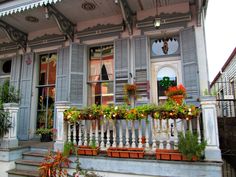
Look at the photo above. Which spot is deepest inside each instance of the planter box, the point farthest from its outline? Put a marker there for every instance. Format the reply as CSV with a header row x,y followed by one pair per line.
x,y
194,158
136,153
168,154
86,150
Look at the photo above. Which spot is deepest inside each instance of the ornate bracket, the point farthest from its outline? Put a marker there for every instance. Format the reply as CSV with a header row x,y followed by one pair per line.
x,y
15,34
127,14
64,24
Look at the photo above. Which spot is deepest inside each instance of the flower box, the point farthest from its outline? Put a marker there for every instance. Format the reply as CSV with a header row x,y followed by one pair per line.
x,y
194,158
86,150
168,154
136,153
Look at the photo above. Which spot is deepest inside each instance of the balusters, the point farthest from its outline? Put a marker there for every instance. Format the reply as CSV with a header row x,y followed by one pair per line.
x,y
127,134
140,134
175,134
120,134
69,132
133,134
161,145
91,133
154,144
108,135
147,136
190,126
198,129
85,133
74,133
182,126
96,132
114,133
167,134
102,145
80,133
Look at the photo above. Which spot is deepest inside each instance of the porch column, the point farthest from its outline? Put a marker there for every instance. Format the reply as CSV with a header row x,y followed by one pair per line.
x,y
210,126
61,126
10,139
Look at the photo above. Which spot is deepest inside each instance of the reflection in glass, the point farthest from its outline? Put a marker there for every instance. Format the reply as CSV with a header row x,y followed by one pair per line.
x,y
46,90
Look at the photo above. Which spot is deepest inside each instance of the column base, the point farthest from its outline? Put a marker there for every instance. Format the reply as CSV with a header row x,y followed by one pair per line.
x,y
213,154
9,143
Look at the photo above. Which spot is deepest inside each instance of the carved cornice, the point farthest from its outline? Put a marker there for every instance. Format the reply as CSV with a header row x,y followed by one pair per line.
x,y
64,24
165,19
14,34
47,39
8,47
100,30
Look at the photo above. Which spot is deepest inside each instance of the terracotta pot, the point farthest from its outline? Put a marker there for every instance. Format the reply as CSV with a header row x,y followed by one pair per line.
x,y
194,158
126,152
178,98
168,154
176,156
86,150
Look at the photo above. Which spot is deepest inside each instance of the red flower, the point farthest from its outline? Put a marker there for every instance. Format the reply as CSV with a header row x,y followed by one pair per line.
x,y
176,90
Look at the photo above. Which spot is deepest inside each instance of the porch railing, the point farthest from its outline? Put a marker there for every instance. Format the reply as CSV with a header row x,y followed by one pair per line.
x,y
149,133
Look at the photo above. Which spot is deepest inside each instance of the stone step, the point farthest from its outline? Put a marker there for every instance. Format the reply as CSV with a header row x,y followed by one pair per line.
x,y
22,173
34,156
27,165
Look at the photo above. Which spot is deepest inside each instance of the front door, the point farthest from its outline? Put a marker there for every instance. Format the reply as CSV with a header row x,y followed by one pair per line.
x,y
164,74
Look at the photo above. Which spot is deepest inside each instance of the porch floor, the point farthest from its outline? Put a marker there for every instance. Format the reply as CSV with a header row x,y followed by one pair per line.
x,y
37,144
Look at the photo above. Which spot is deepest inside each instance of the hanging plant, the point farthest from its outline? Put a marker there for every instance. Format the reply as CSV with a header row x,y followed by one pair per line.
x,y
130,91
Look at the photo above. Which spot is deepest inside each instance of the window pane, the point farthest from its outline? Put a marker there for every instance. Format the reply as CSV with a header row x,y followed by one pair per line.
x,y
95,93
52,61
107,69
95,64
107,93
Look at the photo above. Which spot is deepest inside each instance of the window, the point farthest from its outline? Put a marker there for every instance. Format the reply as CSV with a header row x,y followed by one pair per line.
x,y
46,97
101,75
5,70
165,77
164,46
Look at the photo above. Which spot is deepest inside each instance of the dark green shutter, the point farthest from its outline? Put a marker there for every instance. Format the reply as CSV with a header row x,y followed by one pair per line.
x,y
121,68
141,69
190,65
77,74
25,96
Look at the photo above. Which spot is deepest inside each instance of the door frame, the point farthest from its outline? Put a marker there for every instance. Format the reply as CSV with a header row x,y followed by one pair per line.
x,y
156,65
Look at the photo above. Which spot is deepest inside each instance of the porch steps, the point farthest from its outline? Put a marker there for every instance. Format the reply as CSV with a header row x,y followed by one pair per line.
x,y
29,164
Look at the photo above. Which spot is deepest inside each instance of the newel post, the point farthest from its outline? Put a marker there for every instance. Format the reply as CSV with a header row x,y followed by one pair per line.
x,y
210,126
61,126
10,139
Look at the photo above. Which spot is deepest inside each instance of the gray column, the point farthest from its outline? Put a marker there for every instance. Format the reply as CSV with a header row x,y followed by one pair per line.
x,y
210,126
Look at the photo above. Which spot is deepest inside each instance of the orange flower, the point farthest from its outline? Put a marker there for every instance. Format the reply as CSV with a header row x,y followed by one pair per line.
x,y
176,90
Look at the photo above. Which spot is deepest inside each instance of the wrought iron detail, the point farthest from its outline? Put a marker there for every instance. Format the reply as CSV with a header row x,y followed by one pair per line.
x,y
127,14
64,24
15,35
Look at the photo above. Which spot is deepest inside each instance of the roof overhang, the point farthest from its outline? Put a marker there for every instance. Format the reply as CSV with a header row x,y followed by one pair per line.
x,y
11,7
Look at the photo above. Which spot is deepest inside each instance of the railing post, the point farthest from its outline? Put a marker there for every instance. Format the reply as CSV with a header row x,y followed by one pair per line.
x,y
10,139
210,126
61,126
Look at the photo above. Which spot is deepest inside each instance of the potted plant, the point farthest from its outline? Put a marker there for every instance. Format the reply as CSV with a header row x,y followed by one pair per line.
x,y
69,148
176,93
4,122
45,133
189,147
130,92
8,94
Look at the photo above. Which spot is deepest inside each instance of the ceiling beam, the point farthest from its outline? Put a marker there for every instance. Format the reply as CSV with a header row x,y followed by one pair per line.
x,y
127,14
15,35
64,24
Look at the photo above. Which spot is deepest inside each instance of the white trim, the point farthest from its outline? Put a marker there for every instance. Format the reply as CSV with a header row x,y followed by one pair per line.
x,y
22,5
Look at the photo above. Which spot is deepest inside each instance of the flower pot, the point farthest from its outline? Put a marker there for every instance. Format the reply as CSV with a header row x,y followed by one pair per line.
x,y
46,137
167,154
178,98
194,158
136,153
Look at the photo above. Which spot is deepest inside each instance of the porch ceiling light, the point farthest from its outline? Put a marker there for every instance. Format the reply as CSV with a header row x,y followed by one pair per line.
x,y
157,19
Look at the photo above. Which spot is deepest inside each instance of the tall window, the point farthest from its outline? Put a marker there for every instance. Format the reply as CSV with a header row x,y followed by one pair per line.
x,y
101,75
47,79
165,77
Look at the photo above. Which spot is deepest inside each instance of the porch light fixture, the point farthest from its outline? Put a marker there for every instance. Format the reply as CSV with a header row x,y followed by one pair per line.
x,y
157,19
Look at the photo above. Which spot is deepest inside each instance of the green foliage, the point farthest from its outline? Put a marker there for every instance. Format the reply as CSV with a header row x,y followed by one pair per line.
x,y
41,131
5,122
188,145
8,94
68,148
93,143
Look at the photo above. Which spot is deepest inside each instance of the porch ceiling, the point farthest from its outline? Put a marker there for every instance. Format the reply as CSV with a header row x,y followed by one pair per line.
x,y
73,10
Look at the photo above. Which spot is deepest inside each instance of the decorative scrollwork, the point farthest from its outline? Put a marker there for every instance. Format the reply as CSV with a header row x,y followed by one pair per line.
x,y
15,34
64,24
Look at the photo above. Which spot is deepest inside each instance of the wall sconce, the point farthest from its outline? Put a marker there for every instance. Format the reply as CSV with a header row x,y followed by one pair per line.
x,y
157,19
